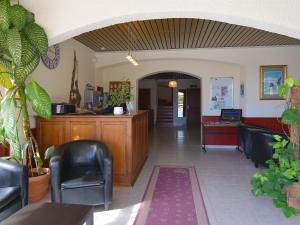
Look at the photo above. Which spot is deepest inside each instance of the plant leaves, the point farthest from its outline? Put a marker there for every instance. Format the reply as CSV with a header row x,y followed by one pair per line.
x,y
291,117
5,66
29,52
37,37
283,90
18,16
39,98
3,38
290,81
22,72
8,113
4,80
14,45
297,83
49,152
4,14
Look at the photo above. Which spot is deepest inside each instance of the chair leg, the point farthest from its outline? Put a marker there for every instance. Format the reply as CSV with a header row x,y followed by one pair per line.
x,y
256,165
106,206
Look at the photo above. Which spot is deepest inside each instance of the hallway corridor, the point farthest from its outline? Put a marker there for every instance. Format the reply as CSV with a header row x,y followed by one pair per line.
x,y
224,178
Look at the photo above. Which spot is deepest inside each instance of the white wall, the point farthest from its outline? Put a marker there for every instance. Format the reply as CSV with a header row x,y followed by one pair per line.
x,y
240,63
198,68
57,81
64,19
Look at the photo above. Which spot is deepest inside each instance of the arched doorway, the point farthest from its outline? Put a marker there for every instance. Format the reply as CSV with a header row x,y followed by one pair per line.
x,y
171,106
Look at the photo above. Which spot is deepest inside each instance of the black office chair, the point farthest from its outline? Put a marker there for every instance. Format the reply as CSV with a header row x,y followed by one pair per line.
x,y
82,173
13,187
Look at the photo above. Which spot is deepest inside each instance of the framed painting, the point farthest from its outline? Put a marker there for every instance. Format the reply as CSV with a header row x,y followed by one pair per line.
x,y
271,77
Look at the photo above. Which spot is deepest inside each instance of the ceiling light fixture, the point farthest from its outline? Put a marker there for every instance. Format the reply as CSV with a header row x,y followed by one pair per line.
x,y
131,59
172,84
130,46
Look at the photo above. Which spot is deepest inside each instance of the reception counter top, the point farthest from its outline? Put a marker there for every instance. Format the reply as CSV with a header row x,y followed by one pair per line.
x,y
125,135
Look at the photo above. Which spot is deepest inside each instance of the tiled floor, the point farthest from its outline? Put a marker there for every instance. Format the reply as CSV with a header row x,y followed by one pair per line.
x,y
224,179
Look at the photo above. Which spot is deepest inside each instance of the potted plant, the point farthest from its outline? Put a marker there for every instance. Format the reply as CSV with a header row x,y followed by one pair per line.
x,y
281,180
119,97
22,43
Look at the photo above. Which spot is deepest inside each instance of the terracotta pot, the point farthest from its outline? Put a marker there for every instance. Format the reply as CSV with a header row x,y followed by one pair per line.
x,y
38,186
293,194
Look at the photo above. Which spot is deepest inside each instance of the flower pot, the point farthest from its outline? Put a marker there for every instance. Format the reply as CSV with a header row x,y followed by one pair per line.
x,y
38,186
118,110
293,194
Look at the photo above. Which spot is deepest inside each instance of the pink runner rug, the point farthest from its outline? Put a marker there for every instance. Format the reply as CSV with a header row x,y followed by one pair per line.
x,y
173,196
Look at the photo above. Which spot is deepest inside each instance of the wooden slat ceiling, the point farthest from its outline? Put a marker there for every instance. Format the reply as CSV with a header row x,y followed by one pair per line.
x,y
179,33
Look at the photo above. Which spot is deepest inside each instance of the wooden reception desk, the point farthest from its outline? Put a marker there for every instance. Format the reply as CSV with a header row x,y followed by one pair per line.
x,y
125,135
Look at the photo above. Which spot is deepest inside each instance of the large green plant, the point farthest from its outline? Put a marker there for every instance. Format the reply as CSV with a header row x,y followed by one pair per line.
x,y
22,43
284,167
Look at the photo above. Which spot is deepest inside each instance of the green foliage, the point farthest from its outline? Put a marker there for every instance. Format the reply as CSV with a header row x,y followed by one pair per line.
x,y
22,43
18,16
49,152
22,72
291,117
4,15
120,96
37,37
14,45
289,83
283,170
39,98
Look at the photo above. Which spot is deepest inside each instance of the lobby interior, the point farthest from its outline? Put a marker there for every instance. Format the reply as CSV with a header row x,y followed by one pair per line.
x,y
190,42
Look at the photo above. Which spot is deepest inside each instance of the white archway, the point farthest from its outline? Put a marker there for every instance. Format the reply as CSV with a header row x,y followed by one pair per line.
x,y
64,19
153,85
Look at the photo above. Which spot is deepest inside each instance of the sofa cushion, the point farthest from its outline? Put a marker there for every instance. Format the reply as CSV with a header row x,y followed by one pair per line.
x,y
83,177
8,194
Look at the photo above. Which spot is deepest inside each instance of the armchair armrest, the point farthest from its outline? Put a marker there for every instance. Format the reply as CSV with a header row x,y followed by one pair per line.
x,y
14,174
105,161
55,172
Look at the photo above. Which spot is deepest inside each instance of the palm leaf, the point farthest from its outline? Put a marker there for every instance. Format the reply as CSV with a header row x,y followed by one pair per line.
x,y
14,45
4,16
37,37
39,98
18,16
22,72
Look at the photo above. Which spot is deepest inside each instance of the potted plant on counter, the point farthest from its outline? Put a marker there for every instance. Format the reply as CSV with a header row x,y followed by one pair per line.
x,y
119,97
281,180
22,43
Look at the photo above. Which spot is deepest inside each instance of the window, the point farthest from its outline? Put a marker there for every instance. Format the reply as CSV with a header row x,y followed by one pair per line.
x,y
181,111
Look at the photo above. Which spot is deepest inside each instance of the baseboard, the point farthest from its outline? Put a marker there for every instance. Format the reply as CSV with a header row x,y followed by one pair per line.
x,y
221,147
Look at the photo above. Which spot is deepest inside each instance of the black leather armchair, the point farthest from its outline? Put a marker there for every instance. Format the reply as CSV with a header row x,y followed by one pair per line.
x,y
262,147
13,188
82,173
246,138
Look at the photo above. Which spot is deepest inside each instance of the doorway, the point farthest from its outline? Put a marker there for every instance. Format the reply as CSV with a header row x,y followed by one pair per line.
x,y
172,106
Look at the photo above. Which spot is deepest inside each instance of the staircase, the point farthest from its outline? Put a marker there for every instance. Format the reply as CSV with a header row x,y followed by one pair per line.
x,y
165,116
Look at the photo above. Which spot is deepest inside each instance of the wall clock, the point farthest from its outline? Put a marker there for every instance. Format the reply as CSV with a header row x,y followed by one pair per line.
x,y
51,59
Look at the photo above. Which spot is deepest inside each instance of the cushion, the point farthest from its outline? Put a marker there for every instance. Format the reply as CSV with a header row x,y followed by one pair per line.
x,y
8,194
83,177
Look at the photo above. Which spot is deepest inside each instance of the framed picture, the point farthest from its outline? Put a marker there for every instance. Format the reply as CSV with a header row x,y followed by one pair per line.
x,y
271,77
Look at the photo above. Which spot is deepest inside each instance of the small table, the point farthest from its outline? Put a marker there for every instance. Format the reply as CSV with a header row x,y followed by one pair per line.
x,y
52,214
221,124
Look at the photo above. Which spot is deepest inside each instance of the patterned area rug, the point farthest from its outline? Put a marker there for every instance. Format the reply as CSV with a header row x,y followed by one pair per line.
x,y
173,196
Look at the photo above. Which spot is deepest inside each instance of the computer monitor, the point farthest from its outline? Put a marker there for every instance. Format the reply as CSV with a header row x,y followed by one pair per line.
x,y
231,114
